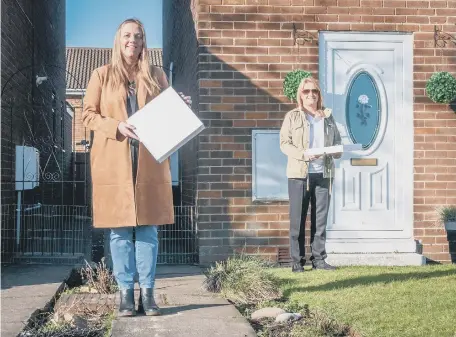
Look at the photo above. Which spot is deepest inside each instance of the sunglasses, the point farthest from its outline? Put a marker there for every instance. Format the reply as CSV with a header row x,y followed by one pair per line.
x,y
307,91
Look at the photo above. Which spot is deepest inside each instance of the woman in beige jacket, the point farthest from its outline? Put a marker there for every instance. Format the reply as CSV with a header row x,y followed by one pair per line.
x,y
131,190
309,177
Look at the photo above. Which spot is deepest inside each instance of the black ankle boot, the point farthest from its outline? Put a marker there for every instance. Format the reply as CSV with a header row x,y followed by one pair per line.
x,y
147,303
297,268
322,265
127,303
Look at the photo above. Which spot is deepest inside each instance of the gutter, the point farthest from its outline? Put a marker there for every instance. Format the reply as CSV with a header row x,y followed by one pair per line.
x,y
80,92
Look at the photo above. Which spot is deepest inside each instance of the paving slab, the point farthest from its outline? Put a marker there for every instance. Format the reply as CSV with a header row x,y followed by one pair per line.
x,y
187,310
24,289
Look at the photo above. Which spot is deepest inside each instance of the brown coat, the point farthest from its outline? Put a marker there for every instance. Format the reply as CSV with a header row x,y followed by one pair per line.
x,y
116,202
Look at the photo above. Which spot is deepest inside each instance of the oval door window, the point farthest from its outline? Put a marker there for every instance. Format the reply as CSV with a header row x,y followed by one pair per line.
x,y
363,110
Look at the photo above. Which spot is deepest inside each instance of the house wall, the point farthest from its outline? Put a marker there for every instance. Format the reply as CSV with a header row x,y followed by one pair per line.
x,y
246,49
33,41
80,133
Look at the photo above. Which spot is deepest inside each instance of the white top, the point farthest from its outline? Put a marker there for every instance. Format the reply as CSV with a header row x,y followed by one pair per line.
x,y
316,140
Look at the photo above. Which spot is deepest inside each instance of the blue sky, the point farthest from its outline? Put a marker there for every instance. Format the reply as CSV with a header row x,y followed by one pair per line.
x,y
93,23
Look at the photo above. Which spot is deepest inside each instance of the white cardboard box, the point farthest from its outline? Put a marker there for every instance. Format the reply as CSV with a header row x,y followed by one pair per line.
x,y
334,149
165,124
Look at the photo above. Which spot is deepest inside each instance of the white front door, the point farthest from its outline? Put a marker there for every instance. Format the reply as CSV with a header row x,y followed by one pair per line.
x,y
367,79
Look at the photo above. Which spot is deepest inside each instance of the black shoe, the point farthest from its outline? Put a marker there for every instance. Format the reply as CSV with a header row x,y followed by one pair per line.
x,y
127,303
147,303
297,268
302,262
322,265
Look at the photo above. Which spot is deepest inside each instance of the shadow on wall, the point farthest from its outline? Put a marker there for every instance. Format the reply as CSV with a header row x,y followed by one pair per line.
x,y
453,106
231,104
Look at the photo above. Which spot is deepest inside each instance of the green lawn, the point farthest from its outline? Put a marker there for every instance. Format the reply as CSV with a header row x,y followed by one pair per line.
x,y
380,301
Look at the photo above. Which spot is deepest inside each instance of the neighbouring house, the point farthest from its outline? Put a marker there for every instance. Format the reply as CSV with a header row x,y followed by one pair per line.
x,y
232,57
36,131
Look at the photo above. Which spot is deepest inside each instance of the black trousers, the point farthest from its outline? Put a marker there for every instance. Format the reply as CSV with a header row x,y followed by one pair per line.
x,y
318,196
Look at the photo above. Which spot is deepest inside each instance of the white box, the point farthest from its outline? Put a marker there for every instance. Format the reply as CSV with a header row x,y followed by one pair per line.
x,y
165,124
334,149
27,168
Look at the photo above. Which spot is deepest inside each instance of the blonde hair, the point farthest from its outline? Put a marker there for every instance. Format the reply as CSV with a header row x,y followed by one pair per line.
x,y
301,88
118,75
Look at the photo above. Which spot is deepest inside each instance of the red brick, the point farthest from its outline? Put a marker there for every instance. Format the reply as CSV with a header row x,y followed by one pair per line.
x,y
348,3
371,3
417,19
394,3
417,4
446,12
233,2
316,10
361,10
406,11
210,2
279,2
338,10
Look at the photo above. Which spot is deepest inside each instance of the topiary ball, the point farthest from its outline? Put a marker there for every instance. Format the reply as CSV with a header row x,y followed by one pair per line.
x,y
292,81
441,87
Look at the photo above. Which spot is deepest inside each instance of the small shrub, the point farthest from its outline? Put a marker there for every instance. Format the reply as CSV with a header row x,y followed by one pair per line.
x,y
242,279
441,87
447,213
292,81
330,327
44,326
99,278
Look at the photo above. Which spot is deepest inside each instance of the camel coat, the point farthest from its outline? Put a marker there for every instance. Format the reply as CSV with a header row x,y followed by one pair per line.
x,y
116,202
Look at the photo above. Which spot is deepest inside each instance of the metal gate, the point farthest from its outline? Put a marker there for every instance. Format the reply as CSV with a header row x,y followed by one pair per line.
x,y
45,211
46,186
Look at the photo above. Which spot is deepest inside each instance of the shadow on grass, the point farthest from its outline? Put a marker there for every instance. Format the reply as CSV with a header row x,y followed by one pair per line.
x,y
371,280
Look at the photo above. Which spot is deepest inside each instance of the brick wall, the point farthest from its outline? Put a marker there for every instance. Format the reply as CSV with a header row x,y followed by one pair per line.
x,y
33,41
246,48
81,154
182,49
80,133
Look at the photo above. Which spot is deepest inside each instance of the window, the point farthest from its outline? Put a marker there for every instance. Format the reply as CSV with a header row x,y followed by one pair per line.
x,y
363,110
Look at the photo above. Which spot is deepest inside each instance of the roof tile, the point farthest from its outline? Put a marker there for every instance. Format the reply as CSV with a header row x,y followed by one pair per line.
x,y
82,61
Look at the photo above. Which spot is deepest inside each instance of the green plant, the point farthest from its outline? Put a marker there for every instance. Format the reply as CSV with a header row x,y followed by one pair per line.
x,y
292,81
441,87
447,213
243,279
107,324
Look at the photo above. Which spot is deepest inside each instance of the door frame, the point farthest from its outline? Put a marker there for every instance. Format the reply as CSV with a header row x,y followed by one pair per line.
x,y
402,45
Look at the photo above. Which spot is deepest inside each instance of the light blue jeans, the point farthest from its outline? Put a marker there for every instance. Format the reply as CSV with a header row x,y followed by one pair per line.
x,y
128,259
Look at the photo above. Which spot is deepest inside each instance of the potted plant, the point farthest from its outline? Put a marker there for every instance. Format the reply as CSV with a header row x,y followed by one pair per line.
x,y
448,217
441,87
292,81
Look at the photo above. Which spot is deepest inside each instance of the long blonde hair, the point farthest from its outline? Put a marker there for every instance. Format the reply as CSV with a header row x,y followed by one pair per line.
x,y
301,88
118,75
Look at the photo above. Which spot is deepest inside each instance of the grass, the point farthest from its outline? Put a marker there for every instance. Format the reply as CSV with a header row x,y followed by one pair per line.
x,y
107,324
243,279
379,301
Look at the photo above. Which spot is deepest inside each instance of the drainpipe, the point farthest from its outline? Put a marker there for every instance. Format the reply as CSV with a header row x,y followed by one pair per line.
x,y
171,66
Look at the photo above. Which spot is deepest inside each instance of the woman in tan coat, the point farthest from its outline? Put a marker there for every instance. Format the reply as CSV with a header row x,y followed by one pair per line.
x,y
131,190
